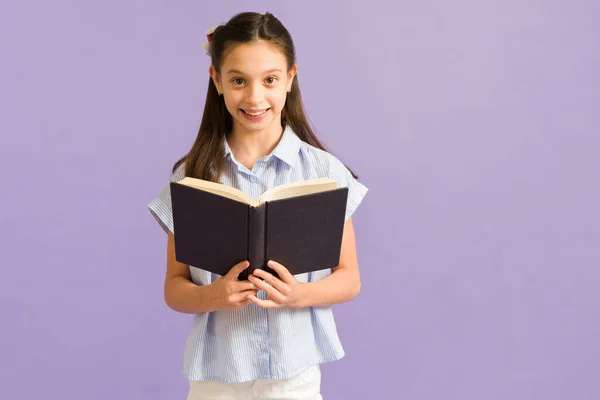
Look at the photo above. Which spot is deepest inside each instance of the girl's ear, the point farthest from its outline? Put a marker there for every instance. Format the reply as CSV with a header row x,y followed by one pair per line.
x,y
215,77
291,75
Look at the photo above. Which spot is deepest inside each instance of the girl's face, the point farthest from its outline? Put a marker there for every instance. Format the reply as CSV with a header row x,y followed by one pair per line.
x,y
254,81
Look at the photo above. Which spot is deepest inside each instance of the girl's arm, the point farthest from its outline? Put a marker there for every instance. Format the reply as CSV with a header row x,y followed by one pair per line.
x,y
181,294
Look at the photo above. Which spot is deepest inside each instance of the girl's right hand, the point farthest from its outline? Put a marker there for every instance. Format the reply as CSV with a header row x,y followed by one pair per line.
x,y
229,293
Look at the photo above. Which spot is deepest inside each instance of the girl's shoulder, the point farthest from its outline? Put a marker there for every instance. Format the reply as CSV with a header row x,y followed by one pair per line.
x,y
323,164
179,173
326,163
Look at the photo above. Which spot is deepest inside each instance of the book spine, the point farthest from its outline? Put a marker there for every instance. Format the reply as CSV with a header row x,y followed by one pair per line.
x,y
256,238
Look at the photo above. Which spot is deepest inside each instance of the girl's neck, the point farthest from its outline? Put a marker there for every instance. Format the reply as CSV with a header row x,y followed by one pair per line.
x,y
249,146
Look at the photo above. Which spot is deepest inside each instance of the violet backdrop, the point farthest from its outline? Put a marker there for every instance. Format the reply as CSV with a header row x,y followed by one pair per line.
x,y
473,123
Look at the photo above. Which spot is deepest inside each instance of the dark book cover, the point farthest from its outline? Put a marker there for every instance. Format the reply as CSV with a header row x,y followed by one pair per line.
x,y
303,233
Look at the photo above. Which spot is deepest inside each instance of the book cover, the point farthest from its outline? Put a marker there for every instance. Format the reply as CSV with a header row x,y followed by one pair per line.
x,y
213,232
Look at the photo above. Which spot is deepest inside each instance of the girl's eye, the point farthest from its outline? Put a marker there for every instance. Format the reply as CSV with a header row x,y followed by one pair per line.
x,y
240,81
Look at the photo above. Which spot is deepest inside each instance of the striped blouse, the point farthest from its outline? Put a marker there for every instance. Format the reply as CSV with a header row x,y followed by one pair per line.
x,y
251,342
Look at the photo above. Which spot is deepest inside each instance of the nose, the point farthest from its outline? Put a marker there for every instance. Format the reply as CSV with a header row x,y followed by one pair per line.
x,y
255,94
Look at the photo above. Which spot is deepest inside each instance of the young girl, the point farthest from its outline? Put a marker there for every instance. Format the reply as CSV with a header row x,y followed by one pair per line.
x,y
263,338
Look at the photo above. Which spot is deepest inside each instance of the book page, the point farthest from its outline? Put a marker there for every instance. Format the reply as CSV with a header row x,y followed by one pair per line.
x,y
218,189
297,189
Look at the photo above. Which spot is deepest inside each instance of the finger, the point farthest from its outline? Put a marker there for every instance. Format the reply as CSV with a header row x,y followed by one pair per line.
x,y
282,271
270,290
243,303
263,303
272,280
237,268
241,296
240,286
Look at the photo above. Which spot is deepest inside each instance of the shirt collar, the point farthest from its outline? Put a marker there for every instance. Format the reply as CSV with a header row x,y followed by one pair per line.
x,y
287,150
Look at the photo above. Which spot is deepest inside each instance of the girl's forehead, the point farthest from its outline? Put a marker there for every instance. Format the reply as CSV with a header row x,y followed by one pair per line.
x,y
255,57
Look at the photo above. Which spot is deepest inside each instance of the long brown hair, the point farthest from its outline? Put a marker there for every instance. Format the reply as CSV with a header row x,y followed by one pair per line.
x,y
205,160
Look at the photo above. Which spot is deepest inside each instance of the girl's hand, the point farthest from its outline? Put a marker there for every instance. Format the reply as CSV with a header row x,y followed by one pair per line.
x,y
283,292
228,293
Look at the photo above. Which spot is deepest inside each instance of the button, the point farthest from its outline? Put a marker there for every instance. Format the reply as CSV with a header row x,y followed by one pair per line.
x,y
263,346
253,179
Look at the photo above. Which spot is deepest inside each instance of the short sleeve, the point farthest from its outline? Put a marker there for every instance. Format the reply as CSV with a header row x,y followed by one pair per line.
x,y
356,190
160,206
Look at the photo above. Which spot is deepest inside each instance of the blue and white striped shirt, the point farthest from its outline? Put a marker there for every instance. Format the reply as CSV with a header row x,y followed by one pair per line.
x,y
251,342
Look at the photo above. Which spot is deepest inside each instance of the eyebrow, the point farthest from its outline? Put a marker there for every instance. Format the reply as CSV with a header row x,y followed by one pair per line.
x,y
235,71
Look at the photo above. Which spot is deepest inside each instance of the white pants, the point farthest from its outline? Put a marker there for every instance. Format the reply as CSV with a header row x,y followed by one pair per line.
x,y
306,386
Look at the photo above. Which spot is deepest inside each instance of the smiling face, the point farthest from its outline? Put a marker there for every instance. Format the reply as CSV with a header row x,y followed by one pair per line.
x,y
254,81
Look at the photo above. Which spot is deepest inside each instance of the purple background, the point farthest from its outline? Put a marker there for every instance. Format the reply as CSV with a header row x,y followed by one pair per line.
x,y
473,123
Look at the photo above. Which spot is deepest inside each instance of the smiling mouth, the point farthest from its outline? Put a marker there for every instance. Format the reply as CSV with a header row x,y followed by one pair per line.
x,y
255,113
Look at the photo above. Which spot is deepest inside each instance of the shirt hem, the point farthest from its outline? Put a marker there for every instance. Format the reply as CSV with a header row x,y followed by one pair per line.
x,y
248,378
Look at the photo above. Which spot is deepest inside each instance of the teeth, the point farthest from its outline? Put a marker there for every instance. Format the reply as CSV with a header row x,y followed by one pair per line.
x,y
256,113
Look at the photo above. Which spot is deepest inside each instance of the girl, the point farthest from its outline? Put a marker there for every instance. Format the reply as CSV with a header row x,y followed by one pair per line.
x,y
263,338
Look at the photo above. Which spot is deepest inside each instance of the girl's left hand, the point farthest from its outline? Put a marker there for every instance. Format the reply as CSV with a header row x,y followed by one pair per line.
x,y
284,291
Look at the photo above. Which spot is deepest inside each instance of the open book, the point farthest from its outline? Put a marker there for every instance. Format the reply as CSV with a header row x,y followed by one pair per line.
x,y
298,224
279,192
